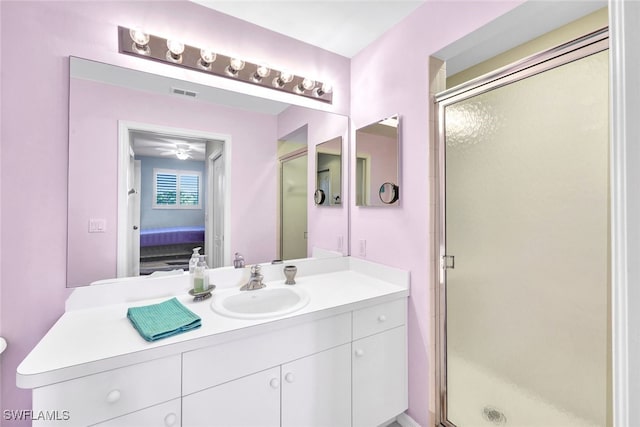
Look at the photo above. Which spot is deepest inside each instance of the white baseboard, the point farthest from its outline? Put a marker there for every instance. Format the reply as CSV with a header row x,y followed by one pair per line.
x,y
406,421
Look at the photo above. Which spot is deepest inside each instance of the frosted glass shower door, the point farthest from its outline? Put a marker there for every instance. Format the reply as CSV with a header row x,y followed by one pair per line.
x,y
527,181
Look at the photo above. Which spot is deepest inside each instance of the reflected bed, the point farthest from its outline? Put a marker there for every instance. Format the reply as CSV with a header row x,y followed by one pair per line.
x,y
168,248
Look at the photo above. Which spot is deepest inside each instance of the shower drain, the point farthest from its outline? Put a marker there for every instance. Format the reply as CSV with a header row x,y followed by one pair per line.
x,y
494,415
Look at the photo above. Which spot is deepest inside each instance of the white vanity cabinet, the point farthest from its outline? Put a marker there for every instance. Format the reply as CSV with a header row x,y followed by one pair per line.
x,y
340,361
379,369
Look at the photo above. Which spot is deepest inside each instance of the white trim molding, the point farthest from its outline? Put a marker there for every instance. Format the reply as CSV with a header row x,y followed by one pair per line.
x,y
624,26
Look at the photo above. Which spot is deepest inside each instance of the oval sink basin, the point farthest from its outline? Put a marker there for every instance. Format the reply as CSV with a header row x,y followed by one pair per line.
x,y
260,304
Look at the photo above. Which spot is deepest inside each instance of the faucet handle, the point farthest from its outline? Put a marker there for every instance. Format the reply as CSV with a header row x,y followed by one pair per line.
x,y
255,269
238,262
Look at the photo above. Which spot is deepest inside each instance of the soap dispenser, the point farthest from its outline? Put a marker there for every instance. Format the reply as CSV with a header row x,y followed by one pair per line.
x,y
195,257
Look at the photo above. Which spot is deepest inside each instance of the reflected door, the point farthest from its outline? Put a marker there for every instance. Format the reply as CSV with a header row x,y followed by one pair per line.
x,y
133,215
294,208
527,220
216,254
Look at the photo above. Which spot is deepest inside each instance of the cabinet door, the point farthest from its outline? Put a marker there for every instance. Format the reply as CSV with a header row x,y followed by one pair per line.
x,y
316,390
251,401
165,415
379,377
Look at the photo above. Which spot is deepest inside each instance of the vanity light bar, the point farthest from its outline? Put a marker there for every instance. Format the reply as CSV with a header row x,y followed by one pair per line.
x,y
143,45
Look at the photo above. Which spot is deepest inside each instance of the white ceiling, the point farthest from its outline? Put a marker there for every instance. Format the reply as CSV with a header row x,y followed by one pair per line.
x,y
342,27
346,27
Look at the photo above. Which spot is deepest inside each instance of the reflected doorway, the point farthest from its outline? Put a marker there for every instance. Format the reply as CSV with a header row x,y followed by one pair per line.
x,y
175,199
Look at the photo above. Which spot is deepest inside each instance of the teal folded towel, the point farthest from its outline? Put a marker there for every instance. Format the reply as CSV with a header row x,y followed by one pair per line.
x,y
163,320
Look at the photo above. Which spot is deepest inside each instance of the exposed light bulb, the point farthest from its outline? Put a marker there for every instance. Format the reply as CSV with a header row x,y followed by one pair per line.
x,y
308,84
207,56
235,65
262,71
305,84
175,50
284,78
140,40
324,88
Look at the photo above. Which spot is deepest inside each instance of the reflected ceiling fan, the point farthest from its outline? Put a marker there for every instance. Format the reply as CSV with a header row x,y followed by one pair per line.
x,y
181,151
150,144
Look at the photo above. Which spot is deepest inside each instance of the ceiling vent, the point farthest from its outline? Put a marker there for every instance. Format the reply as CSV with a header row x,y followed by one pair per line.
x,y
184,92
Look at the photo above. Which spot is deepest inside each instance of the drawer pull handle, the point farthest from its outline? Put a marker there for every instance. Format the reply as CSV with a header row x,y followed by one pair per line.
x,y
170,419
274,383
113,396
359,352
289,377
382,318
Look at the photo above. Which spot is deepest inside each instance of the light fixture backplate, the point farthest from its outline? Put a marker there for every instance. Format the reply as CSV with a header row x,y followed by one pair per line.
x,y
157,50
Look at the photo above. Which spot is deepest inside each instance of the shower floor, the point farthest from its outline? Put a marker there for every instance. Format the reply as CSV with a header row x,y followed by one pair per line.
x,y
477,398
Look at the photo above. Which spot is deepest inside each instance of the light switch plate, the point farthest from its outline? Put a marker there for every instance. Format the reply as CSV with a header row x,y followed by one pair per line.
x,y
363,248
97,225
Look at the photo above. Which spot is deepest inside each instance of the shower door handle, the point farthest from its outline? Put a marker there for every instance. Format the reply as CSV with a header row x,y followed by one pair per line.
x,y
448,262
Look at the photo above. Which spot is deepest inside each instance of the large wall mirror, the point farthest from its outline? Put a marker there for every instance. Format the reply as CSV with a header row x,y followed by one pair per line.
x,y
158,166
329,173
378,163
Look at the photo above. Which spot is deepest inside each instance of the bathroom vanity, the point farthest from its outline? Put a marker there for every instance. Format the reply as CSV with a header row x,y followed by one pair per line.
x,y
340,360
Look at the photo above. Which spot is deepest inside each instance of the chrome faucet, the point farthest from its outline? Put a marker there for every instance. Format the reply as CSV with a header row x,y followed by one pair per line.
x,y
255,281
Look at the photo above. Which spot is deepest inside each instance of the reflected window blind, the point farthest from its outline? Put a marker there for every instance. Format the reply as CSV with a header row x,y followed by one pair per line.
x,y
176,189
189,190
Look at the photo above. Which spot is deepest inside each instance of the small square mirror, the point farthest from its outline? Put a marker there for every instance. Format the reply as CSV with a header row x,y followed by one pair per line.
x,y
378,163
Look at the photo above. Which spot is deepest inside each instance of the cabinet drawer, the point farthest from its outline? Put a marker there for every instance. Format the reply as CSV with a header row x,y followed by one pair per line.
x,y
165,415
110,394
378,318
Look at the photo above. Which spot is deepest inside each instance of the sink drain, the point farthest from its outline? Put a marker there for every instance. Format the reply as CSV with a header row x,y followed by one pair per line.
x,y
494,415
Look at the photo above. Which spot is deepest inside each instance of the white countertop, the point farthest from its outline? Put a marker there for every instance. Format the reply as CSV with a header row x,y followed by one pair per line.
x,y
91,340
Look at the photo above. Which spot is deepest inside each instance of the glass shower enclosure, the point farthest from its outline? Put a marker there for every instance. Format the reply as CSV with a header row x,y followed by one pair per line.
x,y
524,241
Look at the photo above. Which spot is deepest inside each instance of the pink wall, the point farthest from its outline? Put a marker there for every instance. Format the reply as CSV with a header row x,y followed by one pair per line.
x,y
33,169
95,109
391,76
325,225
